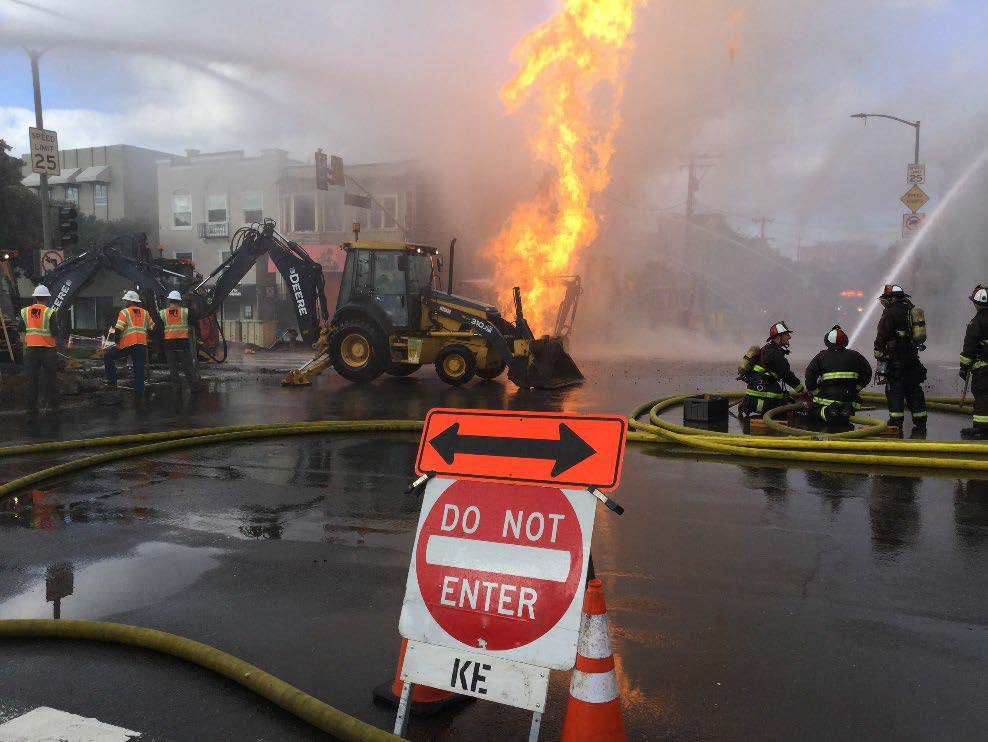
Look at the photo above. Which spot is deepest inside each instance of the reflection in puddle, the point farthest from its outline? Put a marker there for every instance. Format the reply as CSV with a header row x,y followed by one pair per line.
x,y
92,590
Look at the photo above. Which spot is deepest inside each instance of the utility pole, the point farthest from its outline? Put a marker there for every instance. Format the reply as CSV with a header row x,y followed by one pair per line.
x,y
40,123
691,301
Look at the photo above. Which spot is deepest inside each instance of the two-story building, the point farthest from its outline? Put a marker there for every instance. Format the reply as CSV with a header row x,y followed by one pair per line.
x,y
203,198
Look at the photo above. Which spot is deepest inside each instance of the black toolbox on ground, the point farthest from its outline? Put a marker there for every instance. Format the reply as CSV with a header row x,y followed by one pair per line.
x,y
706,408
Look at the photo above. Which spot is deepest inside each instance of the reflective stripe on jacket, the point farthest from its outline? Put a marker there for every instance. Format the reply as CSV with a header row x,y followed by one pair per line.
x,y
176,321
133,324
37,319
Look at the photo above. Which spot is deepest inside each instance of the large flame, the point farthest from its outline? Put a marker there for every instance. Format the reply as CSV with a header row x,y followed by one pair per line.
x,y
571,70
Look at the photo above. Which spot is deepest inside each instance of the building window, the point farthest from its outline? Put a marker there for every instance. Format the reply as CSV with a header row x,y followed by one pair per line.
x,y
303,213
216,209
99,194
72,195
183,256
378,217
253,205
225,255
248,311
181,210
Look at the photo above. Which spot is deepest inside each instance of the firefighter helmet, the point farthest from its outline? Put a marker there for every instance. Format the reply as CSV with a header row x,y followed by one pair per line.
x,y
892,290
779,328
980,296
836,338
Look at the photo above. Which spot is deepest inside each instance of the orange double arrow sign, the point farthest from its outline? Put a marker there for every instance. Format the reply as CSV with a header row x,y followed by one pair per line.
x,y
548,448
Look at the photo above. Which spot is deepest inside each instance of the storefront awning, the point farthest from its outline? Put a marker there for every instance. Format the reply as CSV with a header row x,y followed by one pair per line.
x,y
97,174
66,176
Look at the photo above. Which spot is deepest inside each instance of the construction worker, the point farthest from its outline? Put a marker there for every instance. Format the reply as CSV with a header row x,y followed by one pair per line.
x,y
40,358
974,363
129,337
836,377
899,367
178,351
770,373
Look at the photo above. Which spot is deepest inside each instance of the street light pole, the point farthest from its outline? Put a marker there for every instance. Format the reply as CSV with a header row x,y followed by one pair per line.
x,y
914,124
40,123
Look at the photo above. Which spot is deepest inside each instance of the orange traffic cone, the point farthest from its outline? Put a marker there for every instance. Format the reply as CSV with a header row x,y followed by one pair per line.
x,y
426,701
70,346
593,711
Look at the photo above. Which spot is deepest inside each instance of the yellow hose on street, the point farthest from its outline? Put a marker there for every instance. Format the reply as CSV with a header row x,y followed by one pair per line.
x,y
828,449
305,707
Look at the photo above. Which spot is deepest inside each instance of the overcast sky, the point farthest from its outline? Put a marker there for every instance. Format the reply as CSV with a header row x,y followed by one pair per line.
x,y
767,86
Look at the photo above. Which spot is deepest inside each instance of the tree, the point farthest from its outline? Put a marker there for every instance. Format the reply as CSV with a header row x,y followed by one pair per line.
x,y
20,209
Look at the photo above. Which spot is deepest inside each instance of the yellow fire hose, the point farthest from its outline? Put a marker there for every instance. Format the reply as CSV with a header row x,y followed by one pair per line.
x,y
305,707
801,446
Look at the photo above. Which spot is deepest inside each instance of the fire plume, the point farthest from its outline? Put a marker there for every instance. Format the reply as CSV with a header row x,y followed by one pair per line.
x,y
571,72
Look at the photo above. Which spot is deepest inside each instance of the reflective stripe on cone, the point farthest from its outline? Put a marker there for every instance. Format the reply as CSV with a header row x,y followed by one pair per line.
x,y
593,711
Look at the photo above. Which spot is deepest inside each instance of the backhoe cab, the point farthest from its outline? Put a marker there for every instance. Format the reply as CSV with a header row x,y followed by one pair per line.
x,y
392,318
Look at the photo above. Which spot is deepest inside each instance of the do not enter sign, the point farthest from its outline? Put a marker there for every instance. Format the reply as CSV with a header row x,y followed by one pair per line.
x,y
500,568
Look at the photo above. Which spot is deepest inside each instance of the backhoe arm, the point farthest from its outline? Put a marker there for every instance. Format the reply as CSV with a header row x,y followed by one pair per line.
x,y
302,275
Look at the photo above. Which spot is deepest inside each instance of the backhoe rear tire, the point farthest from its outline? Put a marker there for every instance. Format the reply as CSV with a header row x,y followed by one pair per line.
x,y
489,374
456,364
403,369
359,350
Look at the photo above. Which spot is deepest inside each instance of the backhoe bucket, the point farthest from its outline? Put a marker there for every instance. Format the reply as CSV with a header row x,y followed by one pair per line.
x,y
543,364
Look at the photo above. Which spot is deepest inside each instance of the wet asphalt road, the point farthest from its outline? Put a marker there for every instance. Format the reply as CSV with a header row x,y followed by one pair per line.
x,y
746,602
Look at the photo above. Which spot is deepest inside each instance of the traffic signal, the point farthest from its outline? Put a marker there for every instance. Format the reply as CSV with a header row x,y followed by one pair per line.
x,y
68,227
322,171
336,175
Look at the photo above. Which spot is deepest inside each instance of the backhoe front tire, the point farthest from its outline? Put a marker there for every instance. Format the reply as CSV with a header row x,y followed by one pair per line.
x,y
403,369
359,350
456,364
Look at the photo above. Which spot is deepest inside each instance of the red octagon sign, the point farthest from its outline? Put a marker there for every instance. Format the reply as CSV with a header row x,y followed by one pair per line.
x,y
498,565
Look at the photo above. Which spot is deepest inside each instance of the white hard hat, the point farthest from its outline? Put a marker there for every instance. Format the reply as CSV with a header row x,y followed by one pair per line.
x,y
174,296
41,290
131,296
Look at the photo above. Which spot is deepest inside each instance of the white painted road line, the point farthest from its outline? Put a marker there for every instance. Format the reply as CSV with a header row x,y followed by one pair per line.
x,y
490,556
45,724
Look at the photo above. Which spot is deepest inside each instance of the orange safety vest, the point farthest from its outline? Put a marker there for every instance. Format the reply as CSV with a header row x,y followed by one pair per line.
x,y
133,324
37,319
176,321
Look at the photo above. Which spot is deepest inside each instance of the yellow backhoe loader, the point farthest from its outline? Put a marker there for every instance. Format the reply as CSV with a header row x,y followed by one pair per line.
x,y
392,318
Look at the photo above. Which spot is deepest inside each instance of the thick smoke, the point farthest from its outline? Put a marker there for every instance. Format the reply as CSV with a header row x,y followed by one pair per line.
x,y
767,86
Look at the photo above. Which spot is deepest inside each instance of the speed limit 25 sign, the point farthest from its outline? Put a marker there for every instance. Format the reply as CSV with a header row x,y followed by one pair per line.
x,y
44,151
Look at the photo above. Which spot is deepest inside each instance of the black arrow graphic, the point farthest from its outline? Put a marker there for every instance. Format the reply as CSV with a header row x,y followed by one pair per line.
x,y
566,451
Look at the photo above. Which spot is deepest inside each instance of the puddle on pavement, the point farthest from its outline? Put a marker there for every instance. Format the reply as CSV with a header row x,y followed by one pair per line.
x,y
95,589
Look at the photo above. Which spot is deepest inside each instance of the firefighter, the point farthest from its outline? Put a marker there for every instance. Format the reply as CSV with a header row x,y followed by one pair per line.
x,y
38,323
899,367
129,338
836,377
178,351
974,363
769,374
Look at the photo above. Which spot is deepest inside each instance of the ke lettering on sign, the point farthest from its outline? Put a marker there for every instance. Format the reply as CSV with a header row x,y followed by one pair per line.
x,y
478,675
536,447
